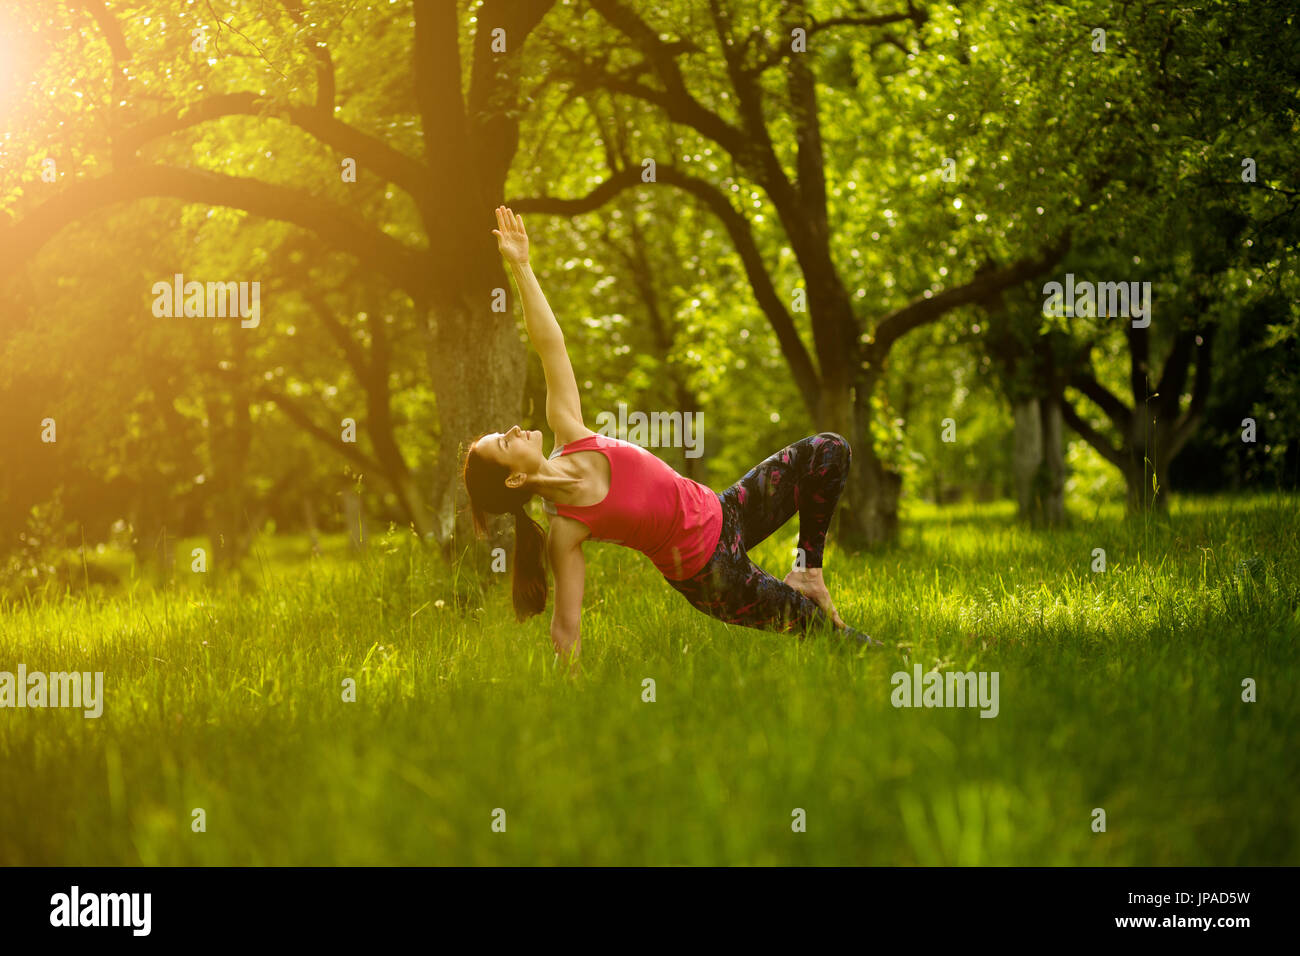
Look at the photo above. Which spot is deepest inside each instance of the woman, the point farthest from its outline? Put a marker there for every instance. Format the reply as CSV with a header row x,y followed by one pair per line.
x,y
611,490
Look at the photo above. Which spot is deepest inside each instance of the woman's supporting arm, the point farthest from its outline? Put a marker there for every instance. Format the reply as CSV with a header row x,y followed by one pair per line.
x,y
563,405
564,548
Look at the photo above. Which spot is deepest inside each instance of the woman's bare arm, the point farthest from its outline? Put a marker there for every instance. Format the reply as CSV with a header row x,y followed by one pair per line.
x,y
564,548
563,406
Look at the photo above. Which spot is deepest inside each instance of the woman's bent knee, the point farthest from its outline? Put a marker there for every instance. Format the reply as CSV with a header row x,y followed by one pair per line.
x,y
840,442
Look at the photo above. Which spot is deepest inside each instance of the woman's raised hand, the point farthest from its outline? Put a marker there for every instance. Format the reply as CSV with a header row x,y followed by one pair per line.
x,y
511,238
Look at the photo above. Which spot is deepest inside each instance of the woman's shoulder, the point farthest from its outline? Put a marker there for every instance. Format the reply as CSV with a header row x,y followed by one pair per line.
x,y
564,529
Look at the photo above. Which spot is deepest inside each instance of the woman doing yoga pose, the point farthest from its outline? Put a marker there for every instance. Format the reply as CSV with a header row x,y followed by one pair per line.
x,y
607,489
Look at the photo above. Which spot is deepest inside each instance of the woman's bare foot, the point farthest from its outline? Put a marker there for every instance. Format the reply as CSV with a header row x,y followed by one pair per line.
x,y
809,582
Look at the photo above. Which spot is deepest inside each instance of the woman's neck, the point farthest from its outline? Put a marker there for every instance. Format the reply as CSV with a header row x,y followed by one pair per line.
x,y
559,481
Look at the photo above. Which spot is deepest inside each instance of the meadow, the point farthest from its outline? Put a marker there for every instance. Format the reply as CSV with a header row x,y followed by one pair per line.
x,y
1120,690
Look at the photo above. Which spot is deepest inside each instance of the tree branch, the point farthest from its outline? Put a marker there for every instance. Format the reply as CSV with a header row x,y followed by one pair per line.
x,y
191,114
325,85
779,50
336,224
742,238
296,414
810,160
921,311
617,182
661,57
393,165
353,353
1173,377
1091,435
437,70
1120,415
494,82
109,26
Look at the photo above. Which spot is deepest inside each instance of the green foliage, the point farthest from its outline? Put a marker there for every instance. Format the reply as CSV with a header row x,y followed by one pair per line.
x,y
936,376
1137,150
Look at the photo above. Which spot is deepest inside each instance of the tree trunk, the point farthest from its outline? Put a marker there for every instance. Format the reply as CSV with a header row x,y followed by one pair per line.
x,y
1038,462
1053,469
399,477
477,361
872,498
869,507
229,441
1028,454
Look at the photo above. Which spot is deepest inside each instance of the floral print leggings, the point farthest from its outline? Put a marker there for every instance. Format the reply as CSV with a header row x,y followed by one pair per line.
x,y
806,477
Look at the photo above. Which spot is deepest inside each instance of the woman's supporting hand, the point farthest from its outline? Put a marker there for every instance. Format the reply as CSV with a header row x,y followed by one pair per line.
x,y
511,238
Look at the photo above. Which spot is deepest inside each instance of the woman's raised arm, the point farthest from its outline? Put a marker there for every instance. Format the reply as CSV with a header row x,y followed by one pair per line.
x,y
563,406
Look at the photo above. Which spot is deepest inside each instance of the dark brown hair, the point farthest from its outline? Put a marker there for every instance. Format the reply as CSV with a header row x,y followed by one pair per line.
x,y
485,481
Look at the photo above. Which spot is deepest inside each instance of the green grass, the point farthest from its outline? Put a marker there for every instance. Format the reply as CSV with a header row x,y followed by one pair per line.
x,y
1120,690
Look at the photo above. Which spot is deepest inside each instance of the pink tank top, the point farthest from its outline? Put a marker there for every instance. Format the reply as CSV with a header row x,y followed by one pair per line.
x,y
649,507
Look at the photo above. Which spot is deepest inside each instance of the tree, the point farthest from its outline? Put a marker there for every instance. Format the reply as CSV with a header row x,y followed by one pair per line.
x,y
1206,215
445,133
779,141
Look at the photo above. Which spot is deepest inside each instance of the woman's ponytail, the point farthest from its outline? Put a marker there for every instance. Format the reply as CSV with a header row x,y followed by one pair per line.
x,y
489,494
528,579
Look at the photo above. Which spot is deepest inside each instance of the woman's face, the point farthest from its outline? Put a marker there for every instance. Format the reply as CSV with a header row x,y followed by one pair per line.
x,y
518,450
